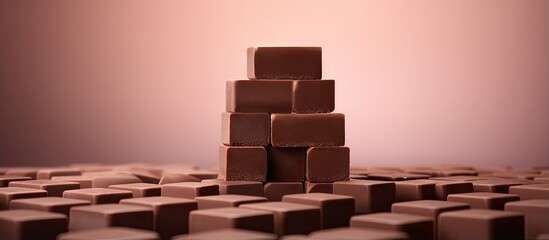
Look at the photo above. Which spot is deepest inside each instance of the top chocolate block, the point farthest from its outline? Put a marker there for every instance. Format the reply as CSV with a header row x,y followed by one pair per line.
x,y
290,63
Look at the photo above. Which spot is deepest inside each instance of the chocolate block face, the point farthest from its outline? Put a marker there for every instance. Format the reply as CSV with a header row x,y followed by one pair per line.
x,y
307,130
108,215
481,224
274,191
396,176
314,96
227,200
299,63
242,163
415,190
98,195
534,191
370,196
259,96
359,233
536,215
49,204
5,180
484,200
211,219
139,189
417,227
177,177
319,187
336,210
290,218
189,190
228,233
286,164
31,224
245,129
249,188
495,186
443,189
47,174
10,193
54,188
110,233
327,164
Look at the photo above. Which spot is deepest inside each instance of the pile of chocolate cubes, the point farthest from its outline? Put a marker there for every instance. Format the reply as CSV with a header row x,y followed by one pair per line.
x,y
279,128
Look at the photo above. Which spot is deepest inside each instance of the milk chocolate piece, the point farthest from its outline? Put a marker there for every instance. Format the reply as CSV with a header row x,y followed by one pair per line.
x,y
319,187
216,218
228,233
481,224
99,181
285,63
307,130
98,195
202,175
259,96
415,190
286,164
460,178
534,191
246,163
5,180
108,215
417,227
227,200
177,177
110,233
250,188
494,185
245,129
327,164
54,188
484,200
290,218
145,176
536,215
443,189
23,224
314,96
336,210
274,191
139,189
370,196
396,176
189,190
10,193
49,204
171,215
48,173
358,234
22,172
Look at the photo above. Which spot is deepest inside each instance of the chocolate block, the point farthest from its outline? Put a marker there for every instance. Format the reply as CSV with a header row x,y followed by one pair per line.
x,y
286,164
494,185
327,164
245,129
314,96
202,175
5,180
417,227
259,96
139,189
443,189
10,193
110,233
109,215
228,233
484,200
31,224
480,224
274,191
22,172
319,187
227,200
250,188
285,63
216,218
49,204
189,190
98,195
358,234
171,215
415,190
143,175
534,191
290,218
177,177
307,130
396,176
370,196
336,210
47,174
242,163
54,188
99,181
536,215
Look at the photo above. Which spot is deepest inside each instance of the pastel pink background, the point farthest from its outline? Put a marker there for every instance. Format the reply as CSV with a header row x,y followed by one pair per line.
x,y
421,82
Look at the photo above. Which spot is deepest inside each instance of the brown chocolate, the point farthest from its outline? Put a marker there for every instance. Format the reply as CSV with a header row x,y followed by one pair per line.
x,y
202,175
250,188
111,233
227,200
139,189
307,130
443,189
484,200
99,181
396,176
98,195
533,191
243,163
494,185
314,96
415,190
189,190
216,218
49,204
358,234
370,196
5,180
480,224
318,187
228,233
259,96
327,164
10,193
536,215
54,188
336,210
109,215
177,177
285,164
285,63
417,227
22,224
245,129
22,172
48,173
274,191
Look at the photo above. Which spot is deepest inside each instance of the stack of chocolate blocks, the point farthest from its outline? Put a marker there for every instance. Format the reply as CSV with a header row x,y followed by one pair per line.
x,y
279,127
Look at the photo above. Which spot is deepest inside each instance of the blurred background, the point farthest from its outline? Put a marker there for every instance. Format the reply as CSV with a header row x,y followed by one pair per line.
x,y
421,82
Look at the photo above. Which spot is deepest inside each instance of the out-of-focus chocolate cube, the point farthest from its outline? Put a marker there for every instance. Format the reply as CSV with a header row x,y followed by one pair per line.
x,y
98,195
533,191
314,96
10,193
417,227
536,215
327,164
370,196
109,215
336,209
274,191
139,189
54,188
286,164
358,234
189,190
243,163
227,200
217,218
22,224
259,96
49,204
5,180
445,188
285,63
110,233
484,200
48,173
245,129
481,224
290,218
228,233
307,130
415,190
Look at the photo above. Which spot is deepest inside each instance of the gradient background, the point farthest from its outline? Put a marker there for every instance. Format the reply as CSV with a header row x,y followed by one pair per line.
x,y
420,82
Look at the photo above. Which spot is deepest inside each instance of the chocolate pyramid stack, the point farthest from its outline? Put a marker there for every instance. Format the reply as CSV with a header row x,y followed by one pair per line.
x,y
279,127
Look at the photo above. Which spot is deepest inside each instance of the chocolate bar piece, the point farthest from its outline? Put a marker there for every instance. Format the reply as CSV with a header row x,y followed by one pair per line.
x,y
259,96
139,189
216,218
171,215
484,200
396,176
327,164
285,63
319,187
227,200
189,190
22,172
370,196
314,96
48,173
480,224
49,204
536,215
177,177
494,185
307,130
534,191
202,175
5,180
415,190
24,224
108,215
245,163
98,195
286,164
245,129
99,181
228,233
443,189
290,218
250,188
54,188
417,227
358,234
110,233
274,191
10,193
336,210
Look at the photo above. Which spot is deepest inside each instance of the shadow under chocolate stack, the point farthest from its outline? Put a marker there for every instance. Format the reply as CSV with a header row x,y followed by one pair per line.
x,y
279,128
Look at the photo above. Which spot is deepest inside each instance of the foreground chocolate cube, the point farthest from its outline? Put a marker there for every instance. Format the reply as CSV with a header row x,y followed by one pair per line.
x,y
290,218
217,218
245,129
10,193
327,164
228,233
481,224
31,224
307,130
108,215
417,227
536,214
370,196
259,96
285,63
242,163
48,204
336,209
314,96
110,233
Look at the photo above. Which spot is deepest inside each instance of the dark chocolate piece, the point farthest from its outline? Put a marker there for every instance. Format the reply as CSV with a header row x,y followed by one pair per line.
x,y
245,129
327,164
533,191
217,218
5,180
49,204
286,164
285,63
415,190
484,200
494,185
319,187
358,234
48,173
244,163
110,233
228,233
109,215
250,188
259,96
370,196
189,190
536,215
314,96
227,200
417,227
54,188
308,130
24,224
139,189
10,193
98,195
480,224
336,210
443,189
274,191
